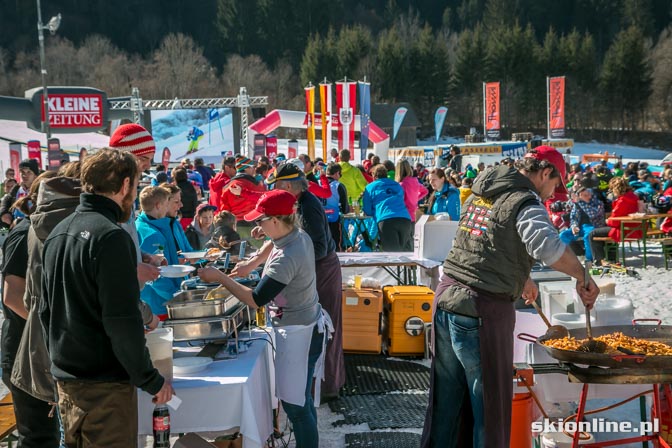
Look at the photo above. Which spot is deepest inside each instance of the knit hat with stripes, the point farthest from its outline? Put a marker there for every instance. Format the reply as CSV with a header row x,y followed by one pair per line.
x,y
133,138
242,163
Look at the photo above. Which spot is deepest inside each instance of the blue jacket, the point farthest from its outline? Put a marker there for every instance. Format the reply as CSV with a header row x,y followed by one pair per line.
x,y
153,233
384,199
447,201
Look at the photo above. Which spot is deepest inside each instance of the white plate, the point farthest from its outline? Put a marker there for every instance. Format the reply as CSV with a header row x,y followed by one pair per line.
x,y
176,270
193,255
191,364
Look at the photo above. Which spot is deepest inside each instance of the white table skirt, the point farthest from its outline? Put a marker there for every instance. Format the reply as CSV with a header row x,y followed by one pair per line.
x,y
229,393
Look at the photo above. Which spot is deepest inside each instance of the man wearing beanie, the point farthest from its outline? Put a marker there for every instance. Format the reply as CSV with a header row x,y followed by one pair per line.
x,y
241,194
138,141
28,171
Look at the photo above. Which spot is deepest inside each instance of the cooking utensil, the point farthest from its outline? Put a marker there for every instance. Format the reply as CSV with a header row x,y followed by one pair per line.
x,y
219,292
658,333
553,331
219,327
194,309
591,345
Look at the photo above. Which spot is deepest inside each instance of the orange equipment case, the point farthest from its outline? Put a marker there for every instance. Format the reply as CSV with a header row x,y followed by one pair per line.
x,y
407,308
362,317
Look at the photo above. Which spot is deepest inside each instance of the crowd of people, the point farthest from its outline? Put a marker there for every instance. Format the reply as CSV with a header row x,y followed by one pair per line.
x,y
81,272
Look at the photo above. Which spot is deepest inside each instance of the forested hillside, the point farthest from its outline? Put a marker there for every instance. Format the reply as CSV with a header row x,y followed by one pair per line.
x,y
616,54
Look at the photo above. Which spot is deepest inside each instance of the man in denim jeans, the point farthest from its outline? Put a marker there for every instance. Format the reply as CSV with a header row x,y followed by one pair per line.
x,y
504,228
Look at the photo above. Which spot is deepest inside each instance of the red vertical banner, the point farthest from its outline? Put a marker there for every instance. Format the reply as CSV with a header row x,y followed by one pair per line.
x,y
15,158
325,109
165,157
492,112
556,107
271,146
292,148
310,120
346,101
34,151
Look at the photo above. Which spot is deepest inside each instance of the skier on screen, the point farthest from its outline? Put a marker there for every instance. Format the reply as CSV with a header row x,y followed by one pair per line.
x,y
194,135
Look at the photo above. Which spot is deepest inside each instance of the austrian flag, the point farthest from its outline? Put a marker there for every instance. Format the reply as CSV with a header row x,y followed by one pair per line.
x,y
346,101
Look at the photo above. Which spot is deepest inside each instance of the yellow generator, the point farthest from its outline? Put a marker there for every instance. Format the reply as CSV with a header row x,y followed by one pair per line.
x,y
362,320
407,309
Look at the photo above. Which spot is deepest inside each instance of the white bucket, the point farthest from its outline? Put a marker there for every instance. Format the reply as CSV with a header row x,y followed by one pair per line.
x,y
571,320
561,440
614,311
160,345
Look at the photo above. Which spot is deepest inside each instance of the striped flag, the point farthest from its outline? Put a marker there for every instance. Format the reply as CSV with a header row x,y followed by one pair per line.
x,y
325,109
346,101
310,120
365,115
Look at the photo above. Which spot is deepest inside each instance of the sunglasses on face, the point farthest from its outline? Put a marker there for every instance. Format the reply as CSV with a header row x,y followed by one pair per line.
x,y
260,220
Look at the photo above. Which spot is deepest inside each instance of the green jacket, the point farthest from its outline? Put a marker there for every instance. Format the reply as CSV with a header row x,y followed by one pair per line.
x,y
353,179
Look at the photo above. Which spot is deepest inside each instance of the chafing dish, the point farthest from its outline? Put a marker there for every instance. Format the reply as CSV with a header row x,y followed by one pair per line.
x,y
209,328
192,304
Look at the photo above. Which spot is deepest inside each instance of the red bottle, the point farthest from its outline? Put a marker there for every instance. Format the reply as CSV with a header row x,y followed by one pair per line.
x,y
161,426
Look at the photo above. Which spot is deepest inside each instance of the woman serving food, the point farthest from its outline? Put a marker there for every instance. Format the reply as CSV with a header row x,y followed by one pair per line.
x,y
287,286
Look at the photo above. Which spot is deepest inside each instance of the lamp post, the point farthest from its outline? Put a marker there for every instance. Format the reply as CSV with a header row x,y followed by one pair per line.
x,y
52,26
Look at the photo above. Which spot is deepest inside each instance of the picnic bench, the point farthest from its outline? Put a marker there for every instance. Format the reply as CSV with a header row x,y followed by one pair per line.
x,y
7,420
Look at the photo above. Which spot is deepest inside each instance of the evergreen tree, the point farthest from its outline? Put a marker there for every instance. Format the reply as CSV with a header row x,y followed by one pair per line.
x,y
468,75
392,68
353,47
626,79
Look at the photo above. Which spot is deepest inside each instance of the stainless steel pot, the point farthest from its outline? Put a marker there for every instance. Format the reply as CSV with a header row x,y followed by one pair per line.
x,y
219,327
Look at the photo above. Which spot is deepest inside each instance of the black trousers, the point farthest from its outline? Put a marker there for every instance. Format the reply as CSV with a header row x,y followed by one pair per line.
x,y
597,247
337,234
36,428
395,235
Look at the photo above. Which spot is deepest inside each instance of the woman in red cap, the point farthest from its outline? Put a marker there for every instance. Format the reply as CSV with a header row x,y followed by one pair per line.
x,y
287,286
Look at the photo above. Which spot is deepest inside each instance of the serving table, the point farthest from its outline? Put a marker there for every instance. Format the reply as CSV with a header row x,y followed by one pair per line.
x,y
230,393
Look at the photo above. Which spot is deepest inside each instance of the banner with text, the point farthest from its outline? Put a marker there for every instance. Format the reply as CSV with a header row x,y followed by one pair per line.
x,y
556,107
35,151
346,101
15,158
492,112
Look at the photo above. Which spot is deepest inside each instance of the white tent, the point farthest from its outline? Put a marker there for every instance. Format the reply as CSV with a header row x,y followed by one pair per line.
x,y
17,131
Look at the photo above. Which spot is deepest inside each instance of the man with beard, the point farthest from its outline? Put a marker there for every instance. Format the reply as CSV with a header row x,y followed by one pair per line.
x,y
93,327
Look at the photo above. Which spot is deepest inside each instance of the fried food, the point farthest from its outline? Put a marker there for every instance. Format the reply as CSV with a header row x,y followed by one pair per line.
x,y
614,341
213,253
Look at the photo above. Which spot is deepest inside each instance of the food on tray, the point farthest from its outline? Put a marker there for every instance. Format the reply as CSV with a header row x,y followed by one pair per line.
x,y
615,341
213,253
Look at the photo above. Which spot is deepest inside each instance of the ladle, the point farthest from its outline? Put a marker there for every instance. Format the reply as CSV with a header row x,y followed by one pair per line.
x,y
591,345
554,331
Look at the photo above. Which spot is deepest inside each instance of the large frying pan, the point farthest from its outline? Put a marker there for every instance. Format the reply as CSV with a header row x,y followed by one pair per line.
x,y
659,333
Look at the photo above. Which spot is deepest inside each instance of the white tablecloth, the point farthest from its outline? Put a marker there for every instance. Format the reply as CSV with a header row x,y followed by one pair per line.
x,y
229,393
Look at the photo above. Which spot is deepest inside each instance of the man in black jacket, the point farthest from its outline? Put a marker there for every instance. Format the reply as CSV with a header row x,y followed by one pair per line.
x,y
90,310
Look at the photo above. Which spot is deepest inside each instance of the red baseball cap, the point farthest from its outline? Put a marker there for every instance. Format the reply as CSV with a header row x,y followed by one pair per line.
x,y
273,203
551,155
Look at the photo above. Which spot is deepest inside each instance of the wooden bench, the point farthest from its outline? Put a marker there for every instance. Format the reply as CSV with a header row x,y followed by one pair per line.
x,y
7,420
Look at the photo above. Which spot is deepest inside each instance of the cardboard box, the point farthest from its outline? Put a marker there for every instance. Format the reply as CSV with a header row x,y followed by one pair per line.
x,y
362,319
433,239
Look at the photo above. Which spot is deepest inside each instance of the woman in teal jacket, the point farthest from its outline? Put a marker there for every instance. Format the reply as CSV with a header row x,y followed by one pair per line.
x,y
384,201
445,198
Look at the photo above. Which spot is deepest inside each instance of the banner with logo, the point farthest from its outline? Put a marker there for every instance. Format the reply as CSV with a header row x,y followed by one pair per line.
x,y
399,116
271,146
15,159
491,111
165,157
325,109
346,101
365,115
259,146
292,148
34,151
310,116
556,106
439,119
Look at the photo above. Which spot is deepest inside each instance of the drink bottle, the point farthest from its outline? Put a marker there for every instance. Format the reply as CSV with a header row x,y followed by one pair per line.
x,y
161,426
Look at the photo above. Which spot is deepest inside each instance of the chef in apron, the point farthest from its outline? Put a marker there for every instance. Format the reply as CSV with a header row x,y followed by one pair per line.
x,y
300,325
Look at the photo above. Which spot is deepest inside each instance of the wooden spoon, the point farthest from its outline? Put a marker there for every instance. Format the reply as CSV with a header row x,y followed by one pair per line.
x,y
591,345
554,331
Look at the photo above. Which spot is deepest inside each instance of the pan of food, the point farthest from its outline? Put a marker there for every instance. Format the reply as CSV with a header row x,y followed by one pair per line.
x,y
628,346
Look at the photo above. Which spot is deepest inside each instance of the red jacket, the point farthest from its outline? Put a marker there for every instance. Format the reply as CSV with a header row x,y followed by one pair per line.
x,y
251,191
321,190
216,184
623,206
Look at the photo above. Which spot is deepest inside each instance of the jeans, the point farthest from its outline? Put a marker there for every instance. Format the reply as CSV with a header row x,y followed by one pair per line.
x,y
457,376
304,418
567,236
36,429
